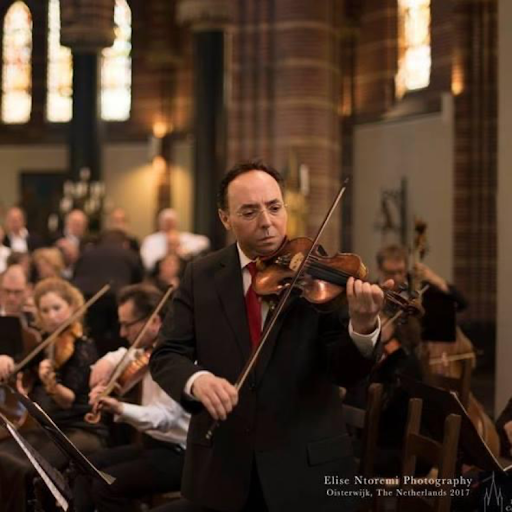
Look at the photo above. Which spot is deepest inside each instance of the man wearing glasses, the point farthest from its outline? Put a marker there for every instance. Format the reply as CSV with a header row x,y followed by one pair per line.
x,y
156,465
282,437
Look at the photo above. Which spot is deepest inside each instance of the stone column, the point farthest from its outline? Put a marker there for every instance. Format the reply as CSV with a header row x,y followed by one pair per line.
x,y
87,26
208,20
504,297
475,169
286,95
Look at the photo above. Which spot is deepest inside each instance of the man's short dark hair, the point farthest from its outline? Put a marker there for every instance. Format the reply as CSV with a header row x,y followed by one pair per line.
x,y
113,237
242,168
145,298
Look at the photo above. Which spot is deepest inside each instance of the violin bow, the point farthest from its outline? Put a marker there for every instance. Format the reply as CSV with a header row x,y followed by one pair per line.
x,y
55,334
93,416
253,359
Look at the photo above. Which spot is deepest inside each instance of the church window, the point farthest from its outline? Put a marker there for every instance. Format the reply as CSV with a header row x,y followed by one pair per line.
x,y
414,52
59,101
116,68
17,64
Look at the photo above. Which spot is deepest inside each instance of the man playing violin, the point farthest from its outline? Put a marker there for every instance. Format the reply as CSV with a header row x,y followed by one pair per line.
x,y
156,466
283,434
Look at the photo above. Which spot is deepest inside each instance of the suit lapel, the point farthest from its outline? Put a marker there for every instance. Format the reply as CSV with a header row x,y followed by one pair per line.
x,y
229,285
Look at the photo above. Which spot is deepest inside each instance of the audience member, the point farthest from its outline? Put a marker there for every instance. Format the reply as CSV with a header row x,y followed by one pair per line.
x,y
155,246
48,262
17,237
24,259
167,272
118,219
108,261
4,251
72,240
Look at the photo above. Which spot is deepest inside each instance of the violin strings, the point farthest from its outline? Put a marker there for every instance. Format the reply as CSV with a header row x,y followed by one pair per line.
x,y
333,275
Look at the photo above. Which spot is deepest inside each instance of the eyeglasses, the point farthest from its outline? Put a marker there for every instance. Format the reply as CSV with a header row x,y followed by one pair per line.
x,y
16,293
127,325
248,214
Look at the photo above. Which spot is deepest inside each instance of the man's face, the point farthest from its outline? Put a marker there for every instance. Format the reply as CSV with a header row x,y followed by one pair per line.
x,y
131,322
118,219
13,293
77,224
395,269
255,213
167,221
14,220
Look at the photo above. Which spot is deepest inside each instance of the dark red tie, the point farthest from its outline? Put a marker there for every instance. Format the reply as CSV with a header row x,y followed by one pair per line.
x,y
253,308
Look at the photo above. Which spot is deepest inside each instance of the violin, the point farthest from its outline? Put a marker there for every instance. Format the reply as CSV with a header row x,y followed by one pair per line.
x,y
324,278
134,371
300,264
64,346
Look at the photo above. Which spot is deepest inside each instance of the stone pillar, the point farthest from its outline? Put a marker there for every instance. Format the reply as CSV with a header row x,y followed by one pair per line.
x,y
87,26
504,297
208,20
286,94
475,187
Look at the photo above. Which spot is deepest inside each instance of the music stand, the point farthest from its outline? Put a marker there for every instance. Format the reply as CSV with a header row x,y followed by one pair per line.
x,y
77,460
438,322
53,479
437,405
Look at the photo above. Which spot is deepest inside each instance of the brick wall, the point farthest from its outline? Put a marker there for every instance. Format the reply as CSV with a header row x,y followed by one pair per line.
x,y
285,92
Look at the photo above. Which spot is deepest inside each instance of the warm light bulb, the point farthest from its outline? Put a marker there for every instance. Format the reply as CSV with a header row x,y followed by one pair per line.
x,y
160,129
159,163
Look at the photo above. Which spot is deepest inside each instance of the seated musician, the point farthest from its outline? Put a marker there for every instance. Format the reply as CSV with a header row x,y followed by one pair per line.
x,y
15,294
392,263
59,383
155,466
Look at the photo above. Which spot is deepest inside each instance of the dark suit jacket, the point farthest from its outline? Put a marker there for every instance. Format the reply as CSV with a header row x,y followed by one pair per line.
x,y
288,423
103,263
34,241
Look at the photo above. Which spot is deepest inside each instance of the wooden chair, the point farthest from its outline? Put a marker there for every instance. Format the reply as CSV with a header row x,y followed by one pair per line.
x,y
441,455
367,422
461,385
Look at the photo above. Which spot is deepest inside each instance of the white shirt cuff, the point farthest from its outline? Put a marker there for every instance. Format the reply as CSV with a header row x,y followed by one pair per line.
x,y
190,383
365,342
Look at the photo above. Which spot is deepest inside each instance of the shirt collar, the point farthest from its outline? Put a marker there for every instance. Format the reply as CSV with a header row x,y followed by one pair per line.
x,y
22,234
244,260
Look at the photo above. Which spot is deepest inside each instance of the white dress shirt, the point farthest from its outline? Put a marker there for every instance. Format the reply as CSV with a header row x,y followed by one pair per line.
x,y
158,416
364,342
4,254
19,242
155,246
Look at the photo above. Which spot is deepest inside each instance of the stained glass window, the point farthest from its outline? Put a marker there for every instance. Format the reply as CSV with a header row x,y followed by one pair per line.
x,y
17,65
116,68
414,58
59,103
